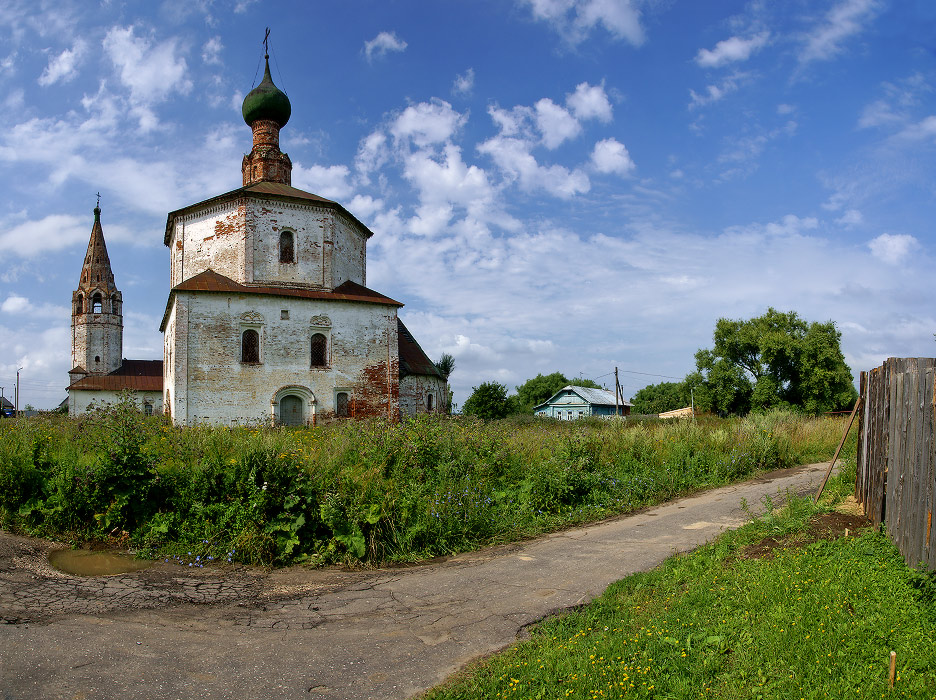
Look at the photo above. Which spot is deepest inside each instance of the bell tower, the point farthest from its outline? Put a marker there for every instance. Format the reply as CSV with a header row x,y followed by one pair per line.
x,y
97,318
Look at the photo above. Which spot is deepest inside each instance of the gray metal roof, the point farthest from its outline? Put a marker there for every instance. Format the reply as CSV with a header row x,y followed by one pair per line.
x,y
600,397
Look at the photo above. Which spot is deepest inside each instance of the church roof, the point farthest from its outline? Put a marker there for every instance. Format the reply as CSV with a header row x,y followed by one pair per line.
x,y
96,273
211,281
412,358
274,190
266,101
138,375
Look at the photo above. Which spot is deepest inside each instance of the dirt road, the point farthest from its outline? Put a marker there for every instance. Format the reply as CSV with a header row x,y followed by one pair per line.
x,y
177,632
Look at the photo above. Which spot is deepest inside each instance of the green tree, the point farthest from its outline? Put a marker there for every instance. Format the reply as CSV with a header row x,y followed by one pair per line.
x,y
773,360
540,388
446,365
487,401
658,398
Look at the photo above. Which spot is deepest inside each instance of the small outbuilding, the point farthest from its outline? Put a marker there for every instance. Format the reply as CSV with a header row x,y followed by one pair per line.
x,y
573,402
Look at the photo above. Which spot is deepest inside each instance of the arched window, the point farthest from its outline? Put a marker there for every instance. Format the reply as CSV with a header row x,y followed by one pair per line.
x,y
341,405
319,350
429,402
79,304
115,308
287,247
97,303
148,408
250,346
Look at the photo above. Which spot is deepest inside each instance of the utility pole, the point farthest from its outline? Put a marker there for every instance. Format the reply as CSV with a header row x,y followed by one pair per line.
x,y
16,408
617,387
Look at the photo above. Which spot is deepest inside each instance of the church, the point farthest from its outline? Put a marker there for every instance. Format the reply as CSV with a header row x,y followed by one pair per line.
x,y
268,320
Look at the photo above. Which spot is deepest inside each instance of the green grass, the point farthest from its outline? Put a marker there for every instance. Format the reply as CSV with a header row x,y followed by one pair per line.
x,y
367,492
816,620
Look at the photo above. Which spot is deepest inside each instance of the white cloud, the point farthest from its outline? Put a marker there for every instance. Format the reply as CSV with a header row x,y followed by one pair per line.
x,y
211,51
330,182
464,83
427,123
555,123
611,156
714,93
852,217
731,50
383,43
53,232
152,72
590,102
924,129
842,22
575,19
64,66
14,304
514,159
892,248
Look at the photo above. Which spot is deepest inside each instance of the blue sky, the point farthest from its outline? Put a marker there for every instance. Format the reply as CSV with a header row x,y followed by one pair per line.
x,y
565,185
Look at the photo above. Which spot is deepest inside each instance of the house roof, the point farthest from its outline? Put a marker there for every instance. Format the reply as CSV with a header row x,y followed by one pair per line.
x,y
138,375
598,397
412,358
5,403
274,190
211,281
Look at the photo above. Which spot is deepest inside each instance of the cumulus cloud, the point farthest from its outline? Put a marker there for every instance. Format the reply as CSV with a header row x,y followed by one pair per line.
x,y
151,71
731,50
892,248
611,156
331,182
843,21
52,232
380,45
427,123
64,66
14,304
590,102
555,123
575,19
513,157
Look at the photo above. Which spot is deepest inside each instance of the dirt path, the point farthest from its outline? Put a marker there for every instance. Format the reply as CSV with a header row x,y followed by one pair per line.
x,y
174,632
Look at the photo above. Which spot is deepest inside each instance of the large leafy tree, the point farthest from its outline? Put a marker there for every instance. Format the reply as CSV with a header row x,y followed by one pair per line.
x,y
662,397
487,401
777,359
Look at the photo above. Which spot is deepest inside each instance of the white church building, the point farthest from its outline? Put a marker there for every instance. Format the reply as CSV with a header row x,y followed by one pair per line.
x,y
268,319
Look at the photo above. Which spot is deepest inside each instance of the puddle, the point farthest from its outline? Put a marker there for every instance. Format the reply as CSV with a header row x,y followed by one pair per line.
x,y
82,562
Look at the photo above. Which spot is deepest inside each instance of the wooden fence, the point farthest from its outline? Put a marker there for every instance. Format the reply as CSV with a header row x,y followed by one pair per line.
x,y
896,479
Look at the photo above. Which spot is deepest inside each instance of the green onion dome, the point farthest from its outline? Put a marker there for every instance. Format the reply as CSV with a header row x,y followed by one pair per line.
x,y
266,101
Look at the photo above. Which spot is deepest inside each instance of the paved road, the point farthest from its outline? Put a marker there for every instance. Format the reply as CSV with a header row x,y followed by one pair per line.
x,y
297,633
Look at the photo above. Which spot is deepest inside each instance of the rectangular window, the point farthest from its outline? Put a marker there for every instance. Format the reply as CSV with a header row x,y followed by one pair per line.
x,y
284,314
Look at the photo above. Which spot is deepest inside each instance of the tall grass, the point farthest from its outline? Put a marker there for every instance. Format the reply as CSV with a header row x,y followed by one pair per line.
x,y
367,492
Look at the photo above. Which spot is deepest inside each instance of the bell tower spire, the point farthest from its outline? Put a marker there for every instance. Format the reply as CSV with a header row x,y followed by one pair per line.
x,y
266,110
97,318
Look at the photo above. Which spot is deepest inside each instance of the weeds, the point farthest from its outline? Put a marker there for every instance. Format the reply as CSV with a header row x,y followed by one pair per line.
x,y
366,492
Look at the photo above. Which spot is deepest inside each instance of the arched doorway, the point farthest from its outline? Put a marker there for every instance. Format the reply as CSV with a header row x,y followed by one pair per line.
x,y
291,410
293,404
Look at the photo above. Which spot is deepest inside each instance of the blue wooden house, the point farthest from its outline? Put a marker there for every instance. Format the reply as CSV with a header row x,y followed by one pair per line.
x,y
573,402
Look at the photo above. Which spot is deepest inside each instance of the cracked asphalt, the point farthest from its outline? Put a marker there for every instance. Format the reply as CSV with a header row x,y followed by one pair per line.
x,y
172,632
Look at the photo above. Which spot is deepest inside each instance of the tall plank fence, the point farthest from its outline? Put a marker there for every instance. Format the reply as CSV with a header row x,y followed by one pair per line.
x,y
896,479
